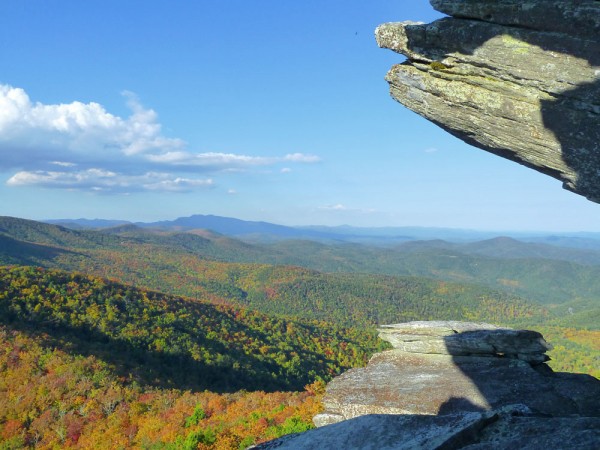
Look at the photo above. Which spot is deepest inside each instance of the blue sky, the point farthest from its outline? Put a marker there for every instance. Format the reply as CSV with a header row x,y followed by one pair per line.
x,y
264,110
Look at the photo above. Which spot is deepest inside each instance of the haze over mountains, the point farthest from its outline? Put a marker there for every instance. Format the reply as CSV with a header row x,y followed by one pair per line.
x,y
167,310
567,279
265,231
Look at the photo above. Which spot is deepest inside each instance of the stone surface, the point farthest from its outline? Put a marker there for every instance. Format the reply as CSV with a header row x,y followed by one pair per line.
x,y
512,427
465,370
578,17
397,382
460,338
520,79
440,400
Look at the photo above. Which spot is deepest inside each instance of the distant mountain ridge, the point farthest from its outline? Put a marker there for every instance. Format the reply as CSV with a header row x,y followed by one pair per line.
x,y
87,223
260,231
565,279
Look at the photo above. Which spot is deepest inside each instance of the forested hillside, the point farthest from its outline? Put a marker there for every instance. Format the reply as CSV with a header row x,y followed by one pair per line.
x,y
158,339
55,395
90,363
500,264
103,332
172,264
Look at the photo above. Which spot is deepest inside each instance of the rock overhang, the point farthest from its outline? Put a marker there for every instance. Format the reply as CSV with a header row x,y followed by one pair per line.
x,y
520,79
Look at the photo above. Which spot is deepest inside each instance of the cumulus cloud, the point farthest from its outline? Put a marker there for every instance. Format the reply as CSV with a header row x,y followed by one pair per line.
x,y
83,146
337,207
343,208
100,180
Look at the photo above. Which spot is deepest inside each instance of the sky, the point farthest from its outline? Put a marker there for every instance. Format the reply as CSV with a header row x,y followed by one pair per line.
x,y
260,110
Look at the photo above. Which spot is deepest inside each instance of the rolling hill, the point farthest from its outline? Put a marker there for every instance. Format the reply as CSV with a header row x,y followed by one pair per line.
x,y
181,264
94,354
152,258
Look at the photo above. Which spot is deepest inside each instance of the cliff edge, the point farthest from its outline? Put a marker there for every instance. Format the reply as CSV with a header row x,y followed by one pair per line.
x,y
518,78
456,385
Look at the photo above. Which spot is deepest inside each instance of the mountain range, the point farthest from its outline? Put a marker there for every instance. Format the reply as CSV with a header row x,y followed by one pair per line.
x,y
127,328
258,231
565,279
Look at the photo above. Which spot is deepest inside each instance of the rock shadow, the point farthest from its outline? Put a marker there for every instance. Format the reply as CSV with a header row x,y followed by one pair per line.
x,y
571,115
516,373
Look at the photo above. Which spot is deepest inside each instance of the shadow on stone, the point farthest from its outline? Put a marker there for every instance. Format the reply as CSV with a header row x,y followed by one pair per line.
x,y
518,79
451,385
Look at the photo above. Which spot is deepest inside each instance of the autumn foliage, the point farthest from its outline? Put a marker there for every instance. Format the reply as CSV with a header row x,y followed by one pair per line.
x,y
52,398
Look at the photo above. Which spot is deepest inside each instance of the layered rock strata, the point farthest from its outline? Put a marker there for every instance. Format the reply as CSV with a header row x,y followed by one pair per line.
x,y
510,428
518,78
455,385
439,368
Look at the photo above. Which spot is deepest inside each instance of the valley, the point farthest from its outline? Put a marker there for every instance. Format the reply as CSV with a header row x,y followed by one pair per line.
x,y
163,323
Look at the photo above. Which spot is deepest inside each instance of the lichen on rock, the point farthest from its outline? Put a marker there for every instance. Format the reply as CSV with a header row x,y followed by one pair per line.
x,y
520,79
467,394
448,367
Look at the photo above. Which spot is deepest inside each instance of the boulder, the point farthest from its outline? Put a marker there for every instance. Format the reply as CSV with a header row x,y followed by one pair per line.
x,y
460,338
440,368
518,78
512,427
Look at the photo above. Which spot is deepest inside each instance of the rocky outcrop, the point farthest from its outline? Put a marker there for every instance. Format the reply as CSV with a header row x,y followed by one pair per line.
x,y
456,385
518,78
466,339
439,368
513,427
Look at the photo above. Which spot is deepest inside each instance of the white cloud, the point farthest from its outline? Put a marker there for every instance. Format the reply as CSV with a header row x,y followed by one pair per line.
x,y
301,157
431,150
286,170
337,207
225,161
343,208
64,145
210,160
100,180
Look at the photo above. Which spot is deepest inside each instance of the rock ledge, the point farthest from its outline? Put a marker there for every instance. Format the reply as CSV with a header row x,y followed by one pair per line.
x,y
455,385
518,78
439,368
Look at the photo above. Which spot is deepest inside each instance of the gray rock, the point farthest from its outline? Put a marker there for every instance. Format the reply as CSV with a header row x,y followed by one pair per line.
x,y
397,382
565,16
512,427
466,338
380,432
520,79
539,433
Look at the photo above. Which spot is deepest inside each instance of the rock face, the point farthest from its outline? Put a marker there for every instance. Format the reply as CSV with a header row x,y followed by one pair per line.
x,y
518,78
513,427
439,368
456,385
466,339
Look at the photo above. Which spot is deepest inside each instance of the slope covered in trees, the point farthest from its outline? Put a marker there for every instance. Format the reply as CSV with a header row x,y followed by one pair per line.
x,y
170,263
162,340
55,397
500,264
90,363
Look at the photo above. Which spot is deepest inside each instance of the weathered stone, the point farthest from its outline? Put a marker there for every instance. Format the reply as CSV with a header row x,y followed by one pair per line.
x,y
465,338
512,427
379,432
323,419
526,87
397,382
565,16
539,433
